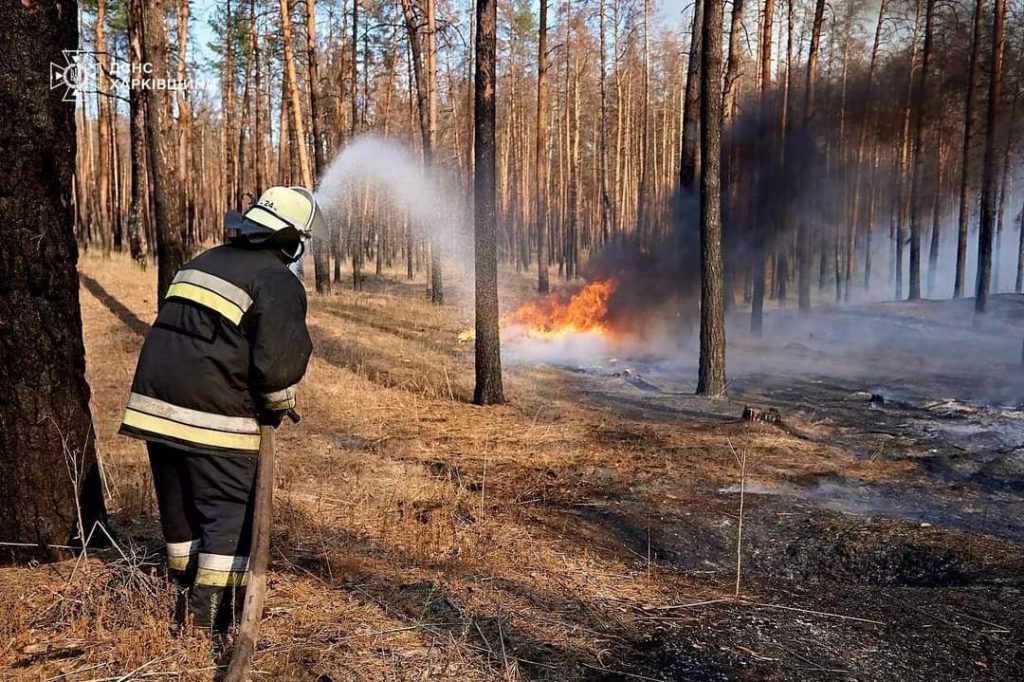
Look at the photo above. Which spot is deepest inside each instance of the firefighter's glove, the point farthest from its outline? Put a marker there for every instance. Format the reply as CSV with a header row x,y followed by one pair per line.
x,y
271,417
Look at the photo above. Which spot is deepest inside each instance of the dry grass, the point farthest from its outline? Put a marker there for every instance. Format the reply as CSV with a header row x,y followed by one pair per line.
x,y
416,536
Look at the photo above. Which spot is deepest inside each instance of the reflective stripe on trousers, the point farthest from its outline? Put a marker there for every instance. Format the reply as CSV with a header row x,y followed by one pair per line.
x,y
222,570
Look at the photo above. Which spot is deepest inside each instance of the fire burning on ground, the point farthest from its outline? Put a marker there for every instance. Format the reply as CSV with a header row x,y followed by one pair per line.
x,y
557,316
554,317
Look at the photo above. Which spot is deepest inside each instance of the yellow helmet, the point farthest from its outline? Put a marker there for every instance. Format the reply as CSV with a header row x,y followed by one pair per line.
x,y
281,214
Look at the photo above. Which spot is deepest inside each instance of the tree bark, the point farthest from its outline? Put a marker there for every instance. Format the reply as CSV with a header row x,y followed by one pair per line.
x,y
760,246
688,166
901,210
488,388
184,132
424,63
1018,286
988,167
803,250
711,372
166,189
645,134
49,479
541,177
320,242
436,279
136,138
963,217
730,97
917,174
228,115
313,67
602,135
104,126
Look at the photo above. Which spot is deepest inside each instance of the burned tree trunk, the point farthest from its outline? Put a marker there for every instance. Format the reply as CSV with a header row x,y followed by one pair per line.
x,y
49,480
488,344
711,373
988,167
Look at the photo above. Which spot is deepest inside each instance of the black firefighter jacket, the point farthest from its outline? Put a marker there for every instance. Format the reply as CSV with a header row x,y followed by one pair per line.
x,y
230,341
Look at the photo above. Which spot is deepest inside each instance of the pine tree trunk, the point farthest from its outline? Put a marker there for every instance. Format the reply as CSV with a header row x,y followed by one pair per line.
x,y
803,250
904,162
760,246
602,134
933,246
488,388
166,188
320,242
711,372
963,217
689,164
228,115
541,177
436,279
104,200
731,92
1005,186
184,132
988,167
242,182
49,478
1018,286
645,134
137,138
917,174
313,67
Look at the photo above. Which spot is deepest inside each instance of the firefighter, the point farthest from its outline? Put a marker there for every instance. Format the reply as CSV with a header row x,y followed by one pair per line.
x,y
225,354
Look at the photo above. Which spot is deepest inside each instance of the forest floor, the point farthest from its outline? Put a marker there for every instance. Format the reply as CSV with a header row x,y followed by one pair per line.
x,y
588,529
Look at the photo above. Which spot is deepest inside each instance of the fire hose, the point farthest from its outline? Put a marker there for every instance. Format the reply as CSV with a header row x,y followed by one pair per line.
x,y
252,611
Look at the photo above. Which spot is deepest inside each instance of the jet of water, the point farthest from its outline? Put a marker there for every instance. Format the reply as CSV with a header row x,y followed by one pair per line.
x,y
386,169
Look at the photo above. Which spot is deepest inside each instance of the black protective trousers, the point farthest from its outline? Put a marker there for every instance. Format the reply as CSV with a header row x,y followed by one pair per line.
x,y
206,504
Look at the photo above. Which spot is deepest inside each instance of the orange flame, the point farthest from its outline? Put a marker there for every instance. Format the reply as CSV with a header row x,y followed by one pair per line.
x,y
552,317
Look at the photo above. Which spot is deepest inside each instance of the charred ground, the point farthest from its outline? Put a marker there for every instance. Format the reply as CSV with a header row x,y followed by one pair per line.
x,y
588,529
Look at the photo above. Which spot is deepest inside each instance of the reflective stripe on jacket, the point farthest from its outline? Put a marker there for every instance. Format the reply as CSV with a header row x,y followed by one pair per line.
x,y
230,340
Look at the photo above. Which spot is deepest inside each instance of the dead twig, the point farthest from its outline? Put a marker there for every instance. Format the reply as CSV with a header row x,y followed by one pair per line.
x,y
809,611
671,607
620,673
